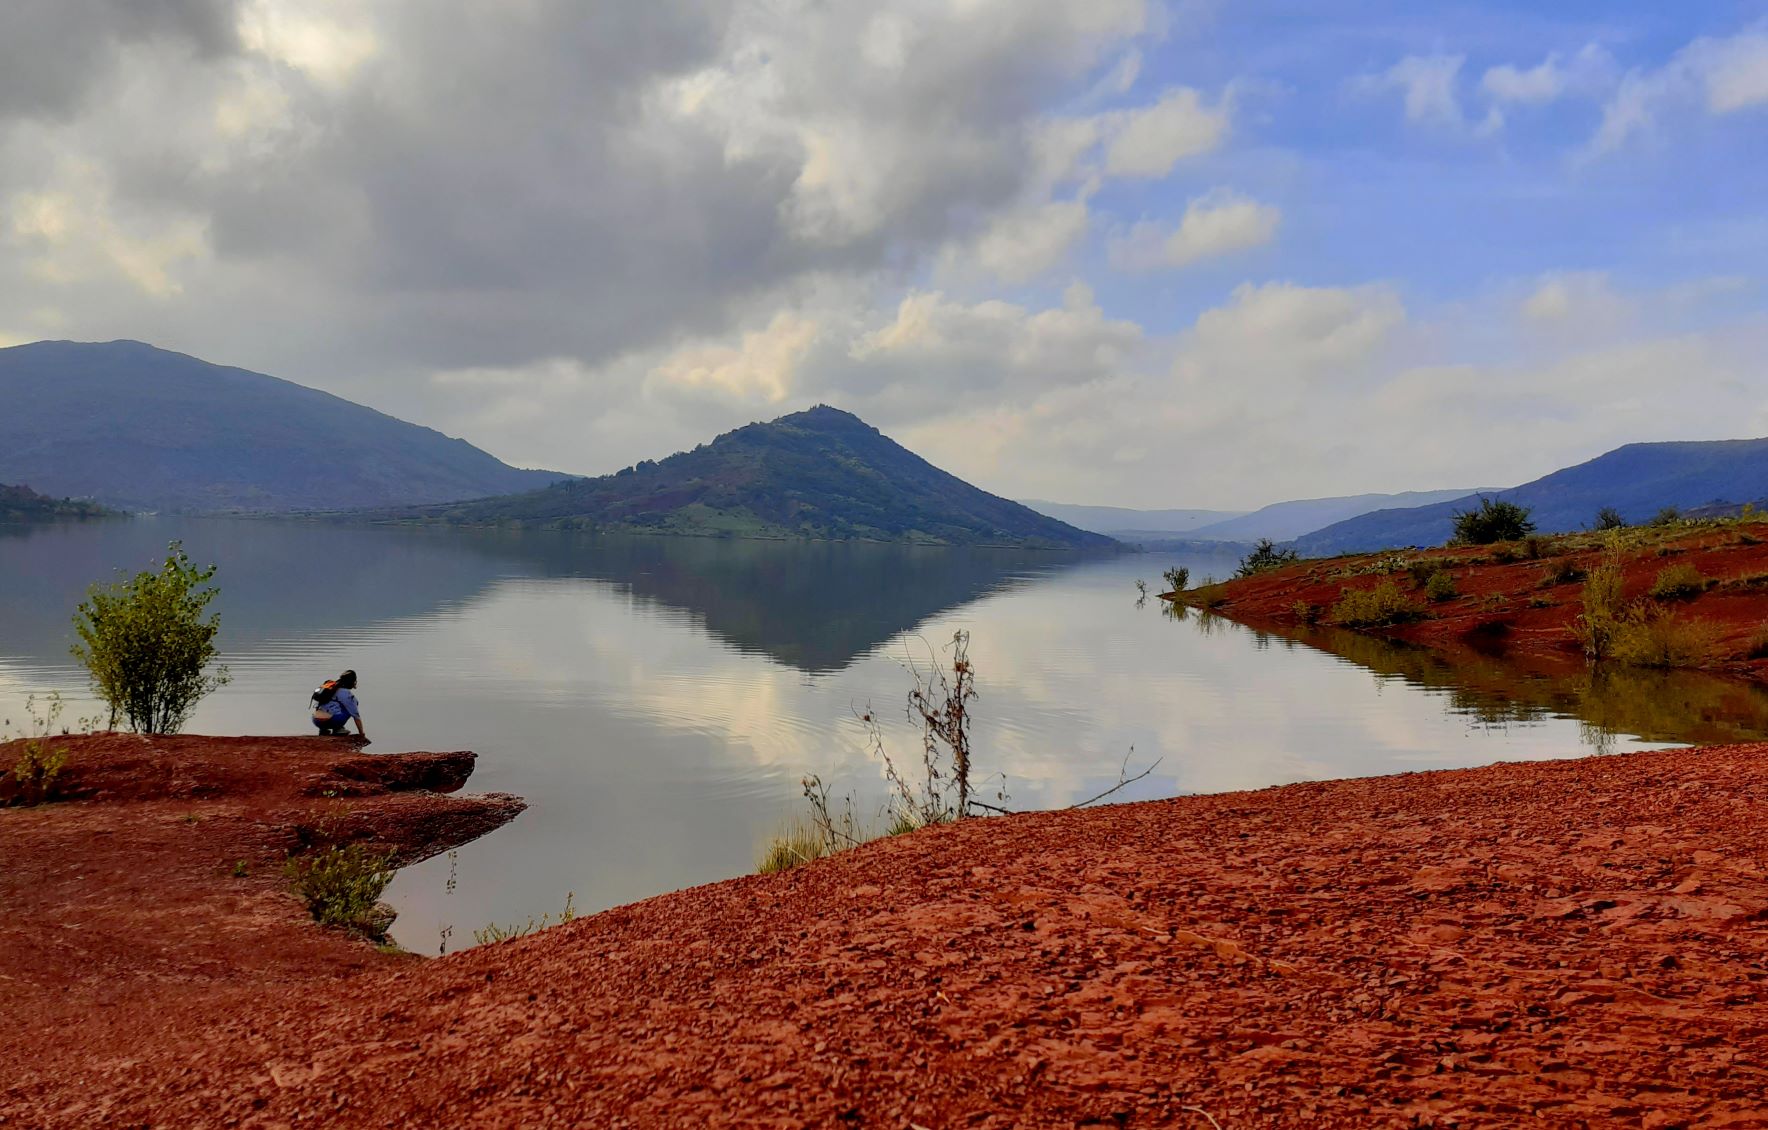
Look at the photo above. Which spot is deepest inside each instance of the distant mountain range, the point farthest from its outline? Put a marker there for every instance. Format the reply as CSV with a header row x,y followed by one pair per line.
x,y
1114,520
1638,480
144,428
1280,521
1283,521
822,473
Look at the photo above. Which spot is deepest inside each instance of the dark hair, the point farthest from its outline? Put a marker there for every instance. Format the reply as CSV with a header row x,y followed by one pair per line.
x,y
347,680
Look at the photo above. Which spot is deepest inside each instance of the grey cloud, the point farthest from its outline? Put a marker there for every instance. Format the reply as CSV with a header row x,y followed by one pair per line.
x,y
500,185
52,51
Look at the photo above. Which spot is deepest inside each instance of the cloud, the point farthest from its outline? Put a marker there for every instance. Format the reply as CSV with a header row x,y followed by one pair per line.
x,y
1292,330
1580,301
1150,141
55,55
938,355
1427,86
1022,244
1218,223
762,367
472,187
1722,75
1555,77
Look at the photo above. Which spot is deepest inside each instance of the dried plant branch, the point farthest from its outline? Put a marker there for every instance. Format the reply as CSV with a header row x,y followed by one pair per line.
x,y
1122,780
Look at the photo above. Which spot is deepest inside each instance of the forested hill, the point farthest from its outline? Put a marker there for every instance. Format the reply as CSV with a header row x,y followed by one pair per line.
x,y
144,428
822,473
22,504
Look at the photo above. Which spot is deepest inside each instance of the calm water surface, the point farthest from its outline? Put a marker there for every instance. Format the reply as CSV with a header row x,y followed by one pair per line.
x,y
658,700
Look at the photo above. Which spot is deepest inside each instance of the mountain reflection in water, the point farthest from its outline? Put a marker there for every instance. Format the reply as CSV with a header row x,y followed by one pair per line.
x,y
815,606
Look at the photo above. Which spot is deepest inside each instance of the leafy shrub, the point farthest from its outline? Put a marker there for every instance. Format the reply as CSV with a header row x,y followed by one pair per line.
x,y
1422,570
1608,518
1494,520
1177,578
1639,633
342,886
1504,555
1679,582
1369,608
1535,547
145,643
1440,587
1305,612
1668,516
1653,637
1264,557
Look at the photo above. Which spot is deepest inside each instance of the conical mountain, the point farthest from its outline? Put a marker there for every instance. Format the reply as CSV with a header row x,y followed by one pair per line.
x,y
821,473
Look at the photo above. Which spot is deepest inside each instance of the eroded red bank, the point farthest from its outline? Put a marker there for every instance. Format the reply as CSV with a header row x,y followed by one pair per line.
x,y
1562,943
1526,607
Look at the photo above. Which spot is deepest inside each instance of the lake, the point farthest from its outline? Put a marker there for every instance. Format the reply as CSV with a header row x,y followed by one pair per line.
x,y
657,701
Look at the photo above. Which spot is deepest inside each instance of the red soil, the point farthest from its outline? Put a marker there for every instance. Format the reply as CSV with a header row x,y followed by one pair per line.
x,y
1575,943
1513,606
122,921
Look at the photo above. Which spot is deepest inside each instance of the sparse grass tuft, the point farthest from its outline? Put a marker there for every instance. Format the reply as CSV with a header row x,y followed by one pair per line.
x,y
1679,582
798,842
33,777
494,933
1757,648
1562,571
1305,612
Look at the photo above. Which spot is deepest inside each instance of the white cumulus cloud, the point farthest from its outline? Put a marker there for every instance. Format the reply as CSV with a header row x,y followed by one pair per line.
x,y
1148,142
1217,223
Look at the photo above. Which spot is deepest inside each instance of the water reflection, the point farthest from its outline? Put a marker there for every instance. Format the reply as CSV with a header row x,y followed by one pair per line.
x,y
1491,687
813,606
658,700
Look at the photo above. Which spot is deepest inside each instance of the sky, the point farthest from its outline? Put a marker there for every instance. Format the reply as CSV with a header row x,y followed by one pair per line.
x,y
1181,254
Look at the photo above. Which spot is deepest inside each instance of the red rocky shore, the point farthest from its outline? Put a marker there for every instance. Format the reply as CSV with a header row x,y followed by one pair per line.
x,y
1575,943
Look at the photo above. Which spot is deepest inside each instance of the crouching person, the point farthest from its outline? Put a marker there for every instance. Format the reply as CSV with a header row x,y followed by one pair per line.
x,y
334,705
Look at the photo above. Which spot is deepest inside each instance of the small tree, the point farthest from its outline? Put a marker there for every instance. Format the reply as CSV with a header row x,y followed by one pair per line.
x,y
1495,520
1264,556
1177,578
1608,518
146,643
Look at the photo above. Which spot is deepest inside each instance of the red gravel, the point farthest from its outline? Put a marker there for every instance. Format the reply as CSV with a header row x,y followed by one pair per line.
x,y
1567,943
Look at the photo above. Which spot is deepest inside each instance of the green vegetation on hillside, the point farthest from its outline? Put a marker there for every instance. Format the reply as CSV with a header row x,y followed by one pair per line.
x,y
22,504
821,473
